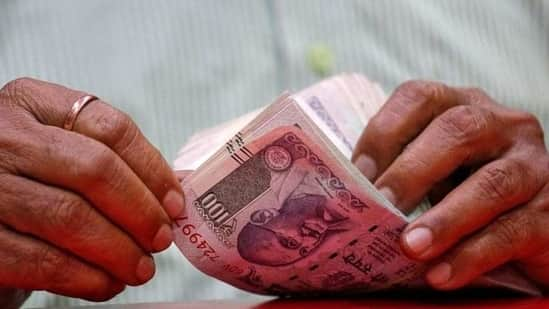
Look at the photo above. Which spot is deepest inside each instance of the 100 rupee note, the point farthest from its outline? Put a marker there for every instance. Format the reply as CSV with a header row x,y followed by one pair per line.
x,y
291,220
274,205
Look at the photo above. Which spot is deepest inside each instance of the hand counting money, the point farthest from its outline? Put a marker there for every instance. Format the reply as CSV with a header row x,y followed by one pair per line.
x,y
274,205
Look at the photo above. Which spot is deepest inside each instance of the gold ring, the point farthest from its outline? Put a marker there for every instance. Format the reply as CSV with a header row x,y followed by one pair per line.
x,y
75,110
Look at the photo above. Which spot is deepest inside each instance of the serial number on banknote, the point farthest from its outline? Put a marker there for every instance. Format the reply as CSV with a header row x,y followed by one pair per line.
x,y
189,230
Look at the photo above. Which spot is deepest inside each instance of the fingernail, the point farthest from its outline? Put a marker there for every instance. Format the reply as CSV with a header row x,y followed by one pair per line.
x,y
163,238
418,240
439,274
367,166
389,195
145,269
173,203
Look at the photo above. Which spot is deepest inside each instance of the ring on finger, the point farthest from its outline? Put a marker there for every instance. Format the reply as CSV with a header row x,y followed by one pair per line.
x,y
76,109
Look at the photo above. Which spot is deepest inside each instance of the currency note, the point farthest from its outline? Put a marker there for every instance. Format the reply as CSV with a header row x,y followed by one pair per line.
x,y
279,209
288,220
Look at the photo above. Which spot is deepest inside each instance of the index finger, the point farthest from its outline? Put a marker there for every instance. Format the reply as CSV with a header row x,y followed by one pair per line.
x,y
109,126
406,113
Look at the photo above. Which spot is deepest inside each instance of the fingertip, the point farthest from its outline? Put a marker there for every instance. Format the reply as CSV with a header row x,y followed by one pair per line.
x,y
163,238
145,269
416,242
439,275
399,197
389,194
106,292
366,165
173,203
117,287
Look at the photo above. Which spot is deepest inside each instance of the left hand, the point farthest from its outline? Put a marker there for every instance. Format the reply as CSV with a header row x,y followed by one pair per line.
x,y
83,208
485,166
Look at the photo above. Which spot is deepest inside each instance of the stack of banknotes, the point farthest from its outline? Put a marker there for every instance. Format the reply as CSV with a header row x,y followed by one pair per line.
x,y
274,205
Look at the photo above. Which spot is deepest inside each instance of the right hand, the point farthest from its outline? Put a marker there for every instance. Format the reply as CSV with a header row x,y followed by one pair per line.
x,y
483,165
80,211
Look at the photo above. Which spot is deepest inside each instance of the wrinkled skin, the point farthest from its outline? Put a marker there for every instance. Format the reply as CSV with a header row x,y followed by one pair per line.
x,y
80,211
485,168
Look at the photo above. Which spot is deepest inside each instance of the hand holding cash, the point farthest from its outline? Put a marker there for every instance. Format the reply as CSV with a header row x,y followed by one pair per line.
x,y
73,176
275,206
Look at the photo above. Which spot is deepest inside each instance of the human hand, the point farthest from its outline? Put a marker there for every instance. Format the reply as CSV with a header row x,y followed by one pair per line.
x,y
80,211
484,165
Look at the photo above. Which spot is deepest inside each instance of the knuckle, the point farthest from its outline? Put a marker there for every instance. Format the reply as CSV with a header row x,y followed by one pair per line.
x,y
411,89
412,161
12,88
476,95
464,123
409,97
98,166
10,148
72,213
16,91
103,159
153,159
381,127
51,264
377,126
503,181
469,251
117,129
541,201
514,230
420,90
531,124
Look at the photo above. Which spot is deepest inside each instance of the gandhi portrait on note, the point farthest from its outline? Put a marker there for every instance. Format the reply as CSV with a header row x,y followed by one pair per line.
x,y
290,231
